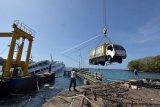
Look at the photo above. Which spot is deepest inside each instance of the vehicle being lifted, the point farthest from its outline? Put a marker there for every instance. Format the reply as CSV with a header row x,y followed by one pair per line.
x,y
107,53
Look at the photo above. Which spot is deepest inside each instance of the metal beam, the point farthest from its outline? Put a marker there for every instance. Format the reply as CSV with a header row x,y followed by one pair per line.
x,y
5,34
7,72
23,34
25,70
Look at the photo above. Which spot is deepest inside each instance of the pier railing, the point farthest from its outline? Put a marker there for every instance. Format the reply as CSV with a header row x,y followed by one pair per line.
x,y
94,77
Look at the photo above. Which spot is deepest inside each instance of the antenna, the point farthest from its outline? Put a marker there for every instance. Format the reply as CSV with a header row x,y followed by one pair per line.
x,y
51,58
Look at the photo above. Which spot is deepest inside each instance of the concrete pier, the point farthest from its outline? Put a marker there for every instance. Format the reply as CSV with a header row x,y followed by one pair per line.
x,y
106,95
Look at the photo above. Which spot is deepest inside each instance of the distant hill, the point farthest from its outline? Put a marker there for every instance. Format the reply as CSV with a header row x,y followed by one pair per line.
x,y
4,60
146,64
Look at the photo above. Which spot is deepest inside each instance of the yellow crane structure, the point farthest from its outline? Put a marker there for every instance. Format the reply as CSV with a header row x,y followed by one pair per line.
x,y
20,31
104,44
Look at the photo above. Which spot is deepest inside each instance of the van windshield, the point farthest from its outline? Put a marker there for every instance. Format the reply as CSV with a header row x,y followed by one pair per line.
x,y
110,47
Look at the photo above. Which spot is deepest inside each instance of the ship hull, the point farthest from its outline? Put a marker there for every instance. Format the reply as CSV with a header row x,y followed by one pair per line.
x,y
21,85
61,69
46,78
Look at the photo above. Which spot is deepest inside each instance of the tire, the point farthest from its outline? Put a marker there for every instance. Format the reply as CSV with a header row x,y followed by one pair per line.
x,y
120,61
90,61
103,63
109,59
94,62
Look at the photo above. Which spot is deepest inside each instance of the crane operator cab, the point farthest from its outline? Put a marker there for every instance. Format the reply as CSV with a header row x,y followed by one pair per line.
x,y
112,53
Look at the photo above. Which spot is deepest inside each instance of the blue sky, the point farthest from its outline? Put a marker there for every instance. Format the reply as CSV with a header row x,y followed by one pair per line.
x,y
63,24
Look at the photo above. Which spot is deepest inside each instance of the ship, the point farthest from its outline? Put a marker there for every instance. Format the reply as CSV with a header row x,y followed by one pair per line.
x,y
16,77
46,65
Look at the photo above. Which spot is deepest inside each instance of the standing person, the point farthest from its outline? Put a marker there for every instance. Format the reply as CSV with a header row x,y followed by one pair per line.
x,y
73,80
136,73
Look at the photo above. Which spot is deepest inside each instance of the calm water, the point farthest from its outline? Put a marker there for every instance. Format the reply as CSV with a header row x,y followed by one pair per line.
x,y
124,75
37,98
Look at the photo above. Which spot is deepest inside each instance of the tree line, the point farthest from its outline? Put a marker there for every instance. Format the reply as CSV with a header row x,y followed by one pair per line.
x,y
146,64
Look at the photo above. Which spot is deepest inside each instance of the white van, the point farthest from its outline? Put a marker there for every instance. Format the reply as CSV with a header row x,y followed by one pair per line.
x,y
114,53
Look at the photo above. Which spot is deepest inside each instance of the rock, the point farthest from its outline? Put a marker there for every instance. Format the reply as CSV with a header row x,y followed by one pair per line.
x,y
144,81
133,87
126,85
86,82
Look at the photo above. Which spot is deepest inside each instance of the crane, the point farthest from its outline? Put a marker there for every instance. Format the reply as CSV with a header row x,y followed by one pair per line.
x,y
20,30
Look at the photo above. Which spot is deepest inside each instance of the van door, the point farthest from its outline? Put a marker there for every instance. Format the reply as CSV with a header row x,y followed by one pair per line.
x,y
110,51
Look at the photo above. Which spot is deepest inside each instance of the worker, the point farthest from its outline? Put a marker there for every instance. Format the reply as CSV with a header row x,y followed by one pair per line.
x,y
136,73
73,79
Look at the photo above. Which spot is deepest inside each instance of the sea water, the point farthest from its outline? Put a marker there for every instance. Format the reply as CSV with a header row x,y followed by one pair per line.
x,y
47,91
110,74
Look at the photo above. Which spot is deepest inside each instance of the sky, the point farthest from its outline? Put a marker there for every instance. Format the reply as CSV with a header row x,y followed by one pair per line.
x,y
63,25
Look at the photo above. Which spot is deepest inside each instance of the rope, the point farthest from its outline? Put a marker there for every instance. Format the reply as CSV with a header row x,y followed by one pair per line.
x,y
80,44
99,42
104,18
73,59
88,44
71,103
4,49
109,39
104,13
79,96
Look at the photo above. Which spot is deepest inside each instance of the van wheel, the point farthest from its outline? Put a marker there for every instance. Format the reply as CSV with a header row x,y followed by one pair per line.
x,y
120,61
109,59
91,61
103,63
94,62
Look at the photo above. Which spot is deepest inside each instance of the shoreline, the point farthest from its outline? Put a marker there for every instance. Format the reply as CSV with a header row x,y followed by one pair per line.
x,y
121,70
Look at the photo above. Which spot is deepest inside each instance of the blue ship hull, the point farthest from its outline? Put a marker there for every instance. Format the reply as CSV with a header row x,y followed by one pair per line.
x,y
22,84
25,84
